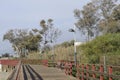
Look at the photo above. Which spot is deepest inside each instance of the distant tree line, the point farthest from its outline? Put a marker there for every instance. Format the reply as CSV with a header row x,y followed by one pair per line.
x,y
24,41
6,55
66,44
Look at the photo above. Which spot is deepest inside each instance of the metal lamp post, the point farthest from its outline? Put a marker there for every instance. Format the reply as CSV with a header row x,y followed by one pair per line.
x,y
53,53
75,52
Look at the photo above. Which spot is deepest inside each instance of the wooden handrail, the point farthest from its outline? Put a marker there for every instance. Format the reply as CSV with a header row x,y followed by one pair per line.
x,y
90,71
18,71
15,73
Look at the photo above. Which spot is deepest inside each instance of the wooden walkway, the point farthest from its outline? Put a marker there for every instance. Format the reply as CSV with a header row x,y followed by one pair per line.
x,y
4,75
40,72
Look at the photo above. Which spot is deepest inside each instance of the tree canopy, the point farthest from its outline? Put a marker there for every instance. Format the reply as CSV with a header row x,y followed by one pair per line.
x,y
24,41
48,32
98,16
87,19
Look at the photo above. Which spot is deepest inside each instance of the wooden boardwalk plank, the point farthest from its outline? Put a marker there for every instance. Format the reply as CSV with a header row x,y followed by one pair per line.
x,y
50,73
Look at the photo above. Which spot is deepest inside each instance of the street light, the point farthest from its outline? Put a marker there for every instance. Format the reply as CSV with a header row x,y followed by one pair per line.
x,y
75,53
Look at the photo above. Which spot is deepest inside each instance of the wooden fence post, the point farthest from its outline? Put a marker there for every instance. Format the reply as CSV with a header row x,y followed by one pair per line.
x,y
66,68
110,72
101,71
70,68
82,72
93,69
78,71
87,73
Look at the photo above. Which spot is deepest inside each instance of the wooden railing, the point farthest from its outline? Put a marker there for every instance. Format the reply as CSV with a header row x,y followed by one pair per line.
x,y
44,62
18,71
91,72
15,75
83,71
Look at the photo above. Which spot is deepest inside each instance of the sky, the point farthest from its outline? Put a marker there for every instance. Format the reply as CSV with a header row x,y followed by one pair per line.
x,y
26,14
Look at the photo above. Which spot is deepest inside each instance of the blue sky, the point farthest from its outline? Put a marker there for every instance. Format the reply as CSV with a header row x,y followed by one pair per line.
x,y
28,13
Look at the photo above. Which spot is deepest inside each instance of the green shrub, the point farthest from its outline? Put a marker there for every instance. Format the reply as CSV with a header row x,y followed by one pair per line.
x,y
74,71
108,44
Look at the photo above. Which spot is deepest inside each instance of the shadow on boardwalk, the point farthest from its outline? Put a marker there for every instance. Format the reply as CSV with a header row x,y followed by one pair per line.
x,y
30,74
